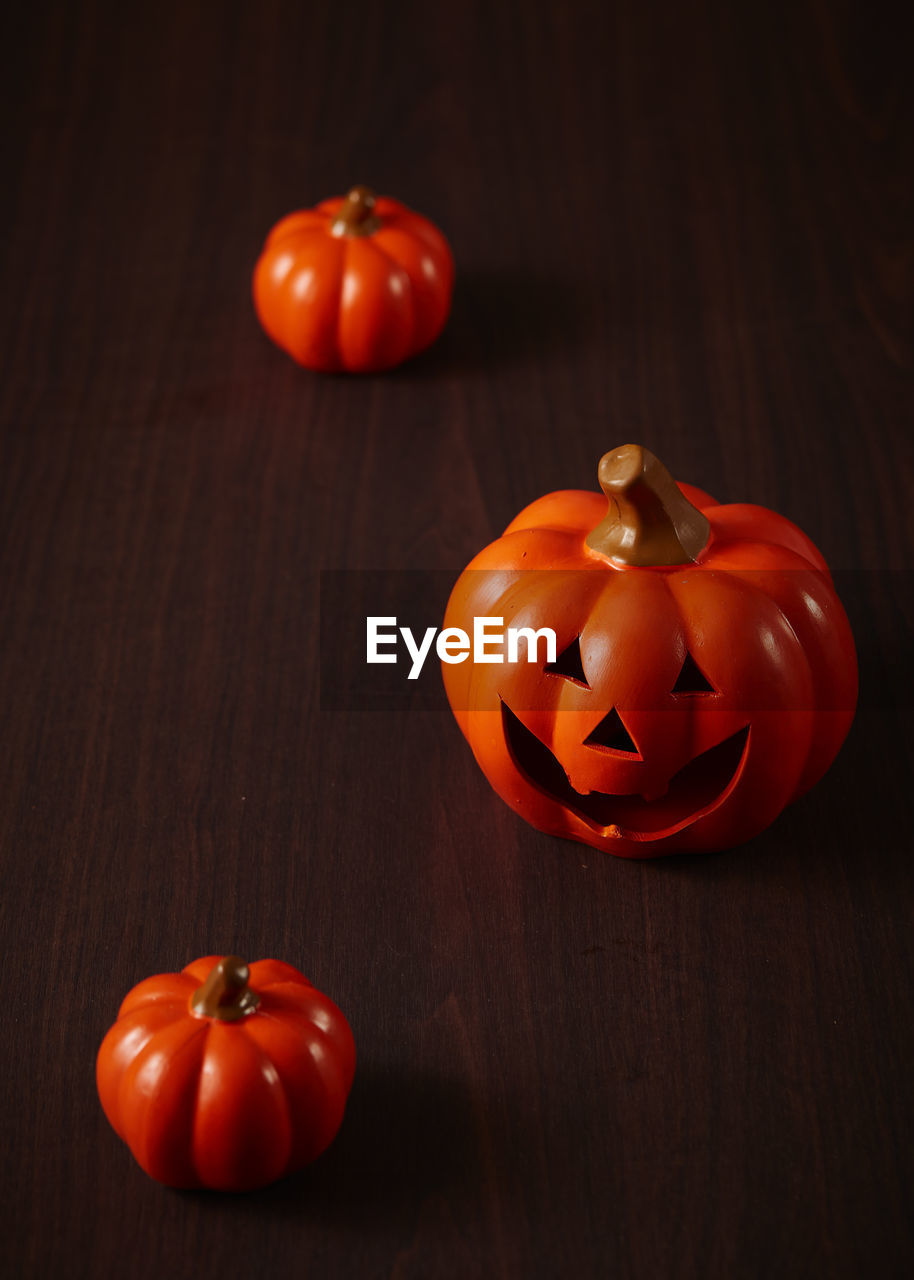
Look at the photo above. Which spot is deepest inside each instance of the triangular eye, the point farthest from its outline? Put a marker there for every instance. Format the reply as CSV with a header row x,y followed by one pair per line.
x,y
691,679
612,733
569,664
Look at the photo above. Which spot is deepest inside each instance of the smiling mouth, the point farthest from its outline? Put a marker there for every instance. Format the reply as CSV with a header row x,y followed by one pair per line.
x,y
695,791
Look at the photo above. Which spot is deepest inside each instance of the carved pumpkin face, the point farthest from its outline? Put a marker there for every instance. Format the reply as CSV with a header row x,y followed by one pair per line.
x,y
688,703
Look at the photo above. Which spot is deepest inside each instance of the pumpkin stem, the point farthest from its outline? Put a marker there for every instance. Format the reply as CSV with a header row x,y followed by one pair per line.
x,y
356,216
225,994
649,521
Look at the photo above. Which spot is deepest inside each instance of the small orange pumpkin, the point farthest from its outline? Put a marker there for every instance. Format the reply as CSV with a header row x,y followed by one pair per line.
x,y
226,1076
359,283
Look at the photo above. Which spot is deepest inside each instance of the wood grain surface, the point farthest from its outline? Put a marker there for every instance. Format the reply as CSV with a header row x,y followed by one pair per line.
x,y
686,225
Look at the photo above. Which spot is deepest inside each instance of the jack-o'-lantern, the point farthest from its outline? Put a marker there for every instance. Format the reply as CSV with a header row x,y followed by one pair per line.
x,y
704,673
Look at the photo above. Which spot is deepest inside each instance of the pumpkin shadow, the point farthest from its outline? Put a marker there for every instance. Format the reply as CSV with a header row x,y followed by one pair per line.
x,y
501,317
406,1135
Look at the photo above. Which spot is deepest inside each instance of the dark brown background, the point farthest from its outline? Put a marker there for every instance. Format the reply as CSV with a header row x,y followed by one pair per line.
x,y
688,227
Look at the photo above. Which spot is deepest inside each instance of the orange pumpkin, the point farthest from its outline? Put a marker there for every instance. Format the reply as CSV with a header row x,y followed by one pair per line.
x,y
704,677
226,1076
359,283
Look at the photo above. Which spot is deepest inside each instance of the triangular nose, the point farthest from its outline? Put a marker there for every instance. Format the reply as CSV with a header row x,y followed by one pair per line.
x,y
692,679
612,733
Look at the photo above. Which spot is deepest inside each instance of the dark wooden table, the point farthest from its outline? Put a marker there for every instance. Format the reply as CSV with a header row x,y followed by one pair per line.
x,y
688,226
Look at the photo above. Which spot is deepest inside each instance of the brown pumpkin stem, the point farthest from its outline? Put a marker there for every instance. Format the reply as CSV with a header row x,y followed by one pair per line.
x,y
225,994
356,216
649,521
